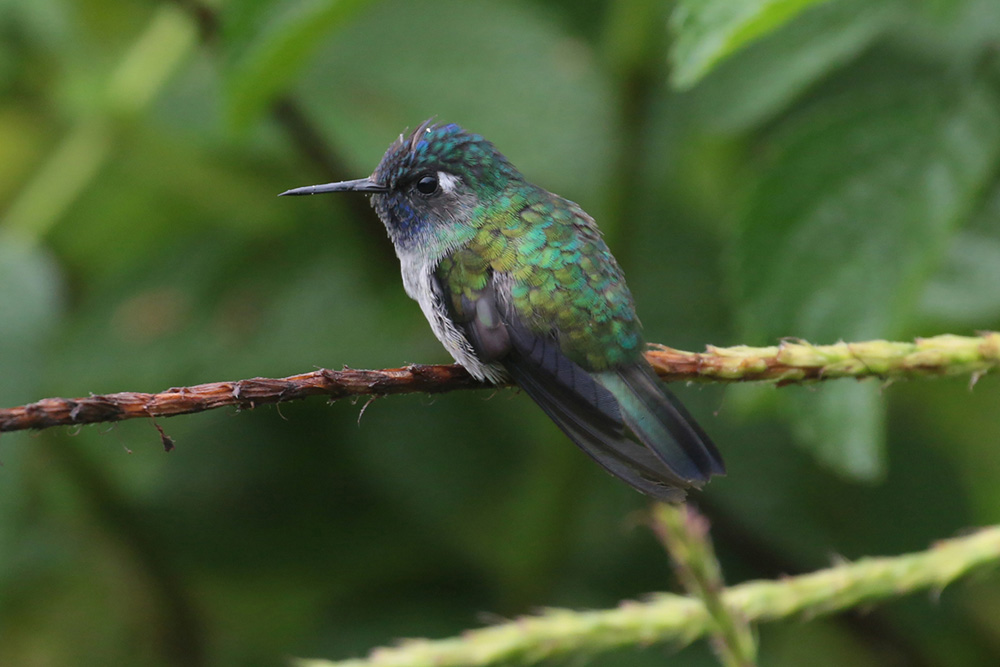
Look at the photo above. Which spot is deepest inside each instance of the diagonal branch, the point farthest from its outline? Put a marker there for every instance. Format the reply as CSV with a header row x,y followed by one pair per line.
x,y
788,363
684,533
558,633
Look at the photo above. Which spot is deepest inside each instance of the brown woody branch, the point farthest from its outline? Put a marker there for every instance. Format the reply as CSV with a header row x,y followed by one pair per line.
x,y
790,362
244,394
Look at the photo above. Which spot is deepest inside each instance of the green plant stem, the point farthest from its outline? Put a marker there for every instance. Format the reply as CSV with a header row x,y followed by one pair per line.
x,y
684,534
796,361
680,620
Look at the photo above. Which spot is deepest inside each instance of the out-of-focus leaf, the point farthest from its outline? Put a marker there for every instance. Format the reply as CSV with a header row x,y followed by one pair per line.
x,y
160,188
151,60
950,29
742,92
30,303
267,42
851,214
967,290
79,157
66,174
44,22
864,189
518,70
843,424
708,31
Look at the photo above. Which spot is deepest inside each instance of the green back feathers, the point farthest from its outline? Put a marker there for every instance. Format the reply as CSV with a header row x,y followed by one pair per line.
x,y
563,277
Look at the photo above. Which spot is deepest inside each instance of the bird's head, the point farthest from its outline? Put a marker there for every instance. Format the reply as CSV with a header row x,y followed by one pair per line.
x,y
429,183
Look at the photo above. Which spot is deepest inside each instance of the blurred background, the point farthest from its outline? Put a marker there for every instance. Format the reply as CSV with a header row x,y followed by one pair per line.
x,y
819,170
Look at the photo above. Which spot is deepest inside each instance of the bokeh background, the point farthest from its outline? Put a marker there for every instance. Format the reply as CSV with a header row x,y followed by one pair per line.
x,y
762,169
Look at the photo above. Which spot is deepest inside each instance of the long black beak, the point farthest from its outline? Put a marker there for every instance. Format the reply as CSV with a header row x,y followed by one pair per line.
x,y
359,185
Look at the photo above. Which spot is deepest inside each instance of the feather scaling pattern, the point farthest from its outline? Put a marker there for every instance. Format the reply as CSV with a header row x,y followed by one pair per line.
x,y
517,282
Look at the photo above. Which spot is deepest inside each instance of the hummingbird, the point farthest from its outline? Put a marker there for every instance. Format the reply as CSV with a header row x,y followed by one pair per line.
x,y
518,285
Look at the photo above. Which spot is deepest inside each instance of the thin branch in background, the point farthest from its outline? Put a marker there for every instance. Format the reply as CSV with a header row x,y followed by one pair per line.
x,y
206,18
558,633
684,533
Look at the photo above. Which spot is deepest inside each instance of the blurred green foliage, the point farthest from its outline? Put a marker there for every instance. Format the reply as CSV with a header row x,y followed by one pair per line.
x,y
762,168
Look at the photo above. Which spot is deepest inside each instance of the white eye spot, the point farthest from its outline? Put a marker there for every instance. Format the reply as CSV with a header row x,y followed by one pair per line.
x,y
448,182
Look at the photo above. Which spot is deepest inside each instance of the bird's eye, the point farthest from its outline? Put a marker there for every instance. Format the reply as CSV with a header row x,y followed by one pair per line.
x,y
427,184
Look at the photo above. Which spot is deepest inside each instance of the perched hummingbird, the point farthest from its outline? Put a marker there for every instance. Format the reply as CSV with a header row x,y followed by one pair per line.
x,y
518,284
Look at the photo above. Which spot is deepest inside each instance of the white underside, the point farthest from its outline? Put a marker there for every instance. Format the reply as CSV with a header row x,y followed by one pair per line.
x,y
417,283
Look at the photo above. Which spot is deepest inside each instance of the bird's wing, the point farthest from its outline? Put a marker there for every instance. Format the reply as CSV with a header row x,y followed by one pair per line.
x,y
580,405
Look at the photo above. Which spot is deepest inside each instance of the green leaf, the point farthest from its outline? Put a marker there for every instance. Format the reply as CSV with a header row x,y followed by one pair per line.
x,y
864,190
267,42
966,289
843,425
852,213
951,29
708,31
743,92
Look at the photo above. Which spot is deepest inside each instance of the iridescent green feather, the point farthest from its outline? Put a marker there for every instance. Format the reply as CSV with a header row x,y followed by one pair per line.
x,y
564,280
532,288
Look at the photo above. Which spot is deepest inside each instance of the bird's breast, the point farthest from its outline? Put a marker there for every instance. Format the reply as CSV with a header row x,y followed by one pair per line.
x,y
418,281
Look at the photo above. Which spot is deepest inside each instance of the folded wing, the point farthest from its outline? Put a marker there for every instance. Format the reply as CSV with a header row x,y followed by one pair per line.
x,y
623,418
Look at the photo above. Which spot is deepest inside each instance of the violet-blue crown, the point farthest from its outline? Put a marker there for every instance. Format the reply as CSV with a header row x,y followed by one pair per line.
x,y
446,148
